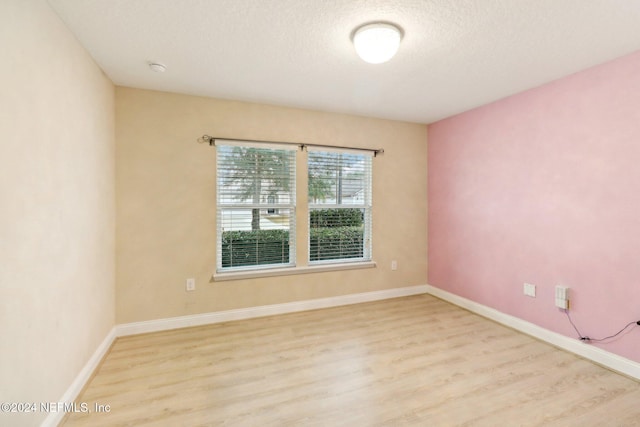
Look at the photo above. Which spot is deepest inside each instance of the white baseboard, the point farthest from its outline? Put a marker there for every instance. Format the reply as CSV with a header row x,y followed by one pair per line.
x,y
264,310
602,357
597,355
72,393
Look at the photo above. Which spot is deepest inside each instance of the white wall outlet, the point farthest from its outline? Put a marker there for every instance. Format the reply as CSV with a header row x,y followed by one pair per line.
x,y
394,265
562,297
191,284
530,290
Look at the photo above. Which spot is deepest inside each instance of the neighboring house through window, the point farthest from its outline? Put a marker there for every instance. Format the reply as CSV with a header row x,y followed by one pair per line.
x,y
272,199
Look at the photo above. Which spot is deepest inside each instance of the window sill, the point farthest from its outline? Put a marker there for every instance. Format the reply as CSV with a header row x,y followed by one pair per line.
x,y
220,277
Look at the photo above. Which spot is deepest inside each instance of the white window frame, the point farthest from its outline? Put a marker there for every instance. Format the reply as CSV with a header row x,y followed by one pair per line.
x,y
223,206
291,268
366,205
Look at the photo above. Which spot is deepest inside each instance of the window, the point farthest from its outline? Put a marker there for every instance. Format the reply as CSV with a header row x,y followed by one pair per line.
x,y
255,205
256,208
339,206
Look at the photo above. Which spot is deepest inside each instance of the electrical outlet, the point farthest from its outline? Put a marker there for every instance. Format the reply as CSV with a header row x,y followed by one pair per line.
x,y
394,265
562,297
530,290
191,285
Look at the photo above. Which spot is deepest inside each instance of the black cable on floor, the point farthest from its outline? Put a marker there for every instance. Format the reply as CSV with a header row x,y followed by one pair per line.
x,y
586,338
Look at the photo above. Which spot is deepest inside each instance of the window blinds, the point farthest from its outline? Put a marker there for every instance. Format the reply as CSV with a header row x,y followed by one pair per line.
x,y
339,193
255,205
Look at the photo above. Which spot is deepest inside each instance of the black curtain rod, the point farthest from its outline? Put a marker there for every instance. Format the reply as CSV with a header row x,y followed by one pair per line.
x,y
211,140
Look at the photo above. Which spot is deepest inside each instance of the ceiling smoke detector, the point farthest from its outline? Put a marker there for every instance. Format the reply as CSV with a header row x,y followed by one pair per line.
x,y
157,67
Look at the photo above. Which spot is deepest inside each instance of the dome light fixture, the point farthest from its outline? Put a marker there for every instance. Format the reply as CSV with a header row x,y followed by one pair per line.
x,y
378,42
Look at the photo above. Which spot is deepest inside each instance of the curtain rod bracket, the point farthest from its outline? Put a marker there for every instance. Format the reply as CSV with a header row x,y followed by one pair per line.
x,y
206,138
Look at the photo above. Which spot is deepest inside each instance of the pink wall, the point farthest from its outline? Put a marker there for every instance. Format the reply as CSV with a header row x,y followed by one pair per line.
x,y
544,187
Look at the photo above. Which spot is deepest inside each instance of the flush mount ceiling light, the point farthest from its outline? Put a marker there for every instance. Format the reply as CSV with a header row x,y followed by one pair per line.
x,y
157,67
377,43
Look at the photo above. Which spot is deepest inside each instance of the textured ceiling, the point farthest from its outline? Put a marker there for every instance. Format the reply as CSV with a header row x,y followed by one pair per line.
x,y
455,54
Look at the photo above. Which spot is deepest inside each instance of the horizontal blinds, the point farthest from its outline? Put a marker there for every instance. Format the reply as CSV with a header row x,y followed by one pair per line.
x,y
339,235
257,144
256,206
339,179
339,191
241,247
255,176
327,149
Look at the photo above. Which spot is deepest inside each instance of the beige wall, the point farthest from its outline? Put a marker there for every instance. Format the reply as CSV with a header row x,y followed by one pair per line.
x,y
165,186
57,213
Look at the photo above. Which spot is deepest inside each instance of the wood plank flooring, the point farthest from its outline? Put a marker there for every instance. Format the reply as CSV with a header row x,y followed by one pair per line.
x,y
414,361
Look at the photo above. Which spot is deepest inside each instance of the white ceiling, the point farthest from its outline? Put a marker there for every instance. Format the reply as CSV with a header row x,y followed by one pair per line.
x,y
455,54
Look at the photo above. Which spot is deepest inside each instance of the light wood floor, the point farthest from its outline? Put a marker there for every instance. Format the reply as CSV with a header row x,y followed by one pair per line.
x,y
415,361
